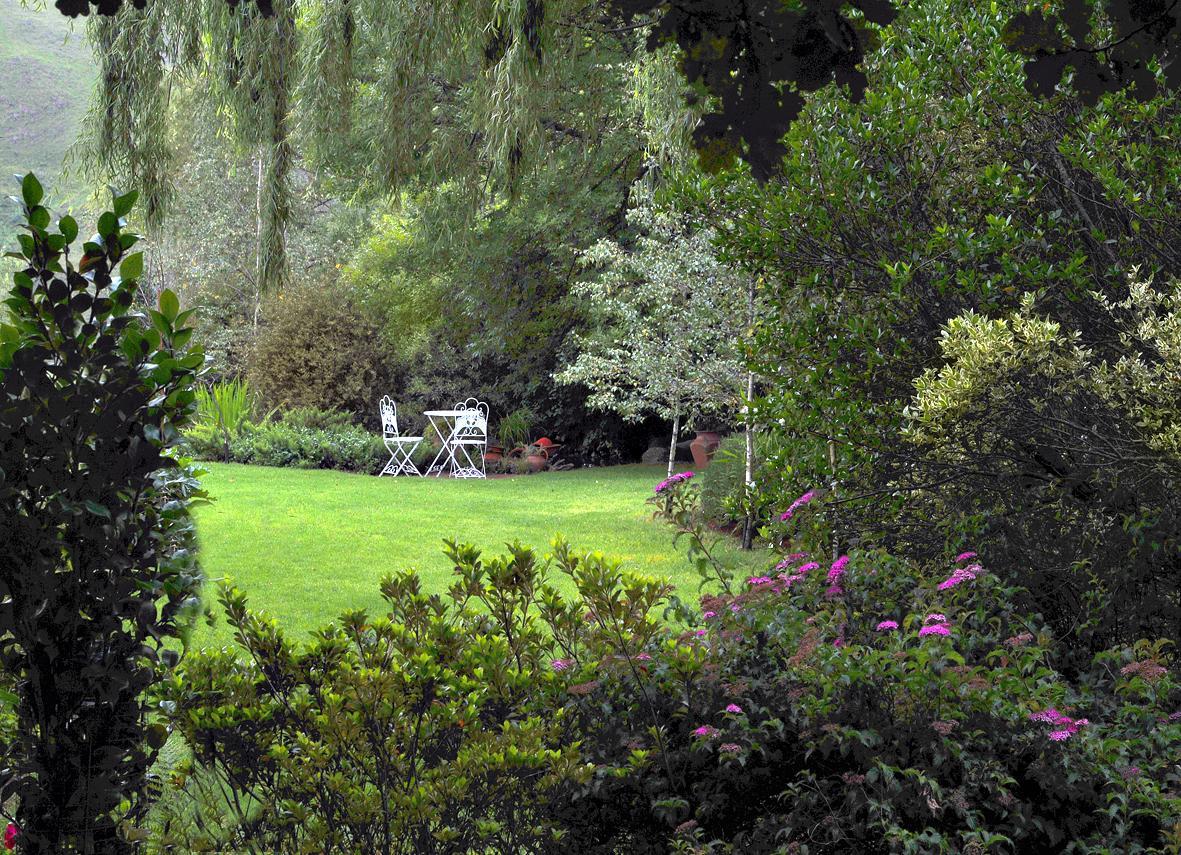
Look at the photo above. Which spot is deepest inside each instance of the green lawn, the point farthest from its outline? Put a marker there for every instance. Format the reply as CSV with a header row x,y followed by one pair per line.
x,y
307,544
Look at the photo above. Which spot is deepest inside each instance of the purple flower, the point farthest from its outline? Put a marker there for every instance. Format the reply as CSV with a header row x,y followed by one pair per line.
x,y
811,565
1129,772
887,625
935,617
708,615
960,574
1065,726
833,591
734,607
705,731
699,633
672,481
755,581
644,657
789,560
964,556
729,748
561,664
934,629
838,569
733,708
802,500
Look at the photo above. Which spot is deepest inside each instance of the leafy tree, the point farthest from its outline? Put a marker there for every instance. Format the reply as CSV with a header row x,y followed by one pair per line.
x,y
947,190
98,572
668,325
753,60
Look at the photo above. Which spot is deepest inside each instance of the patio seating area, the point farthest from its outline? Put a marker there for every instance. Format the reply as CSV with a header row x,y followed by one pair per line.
x,y
462,434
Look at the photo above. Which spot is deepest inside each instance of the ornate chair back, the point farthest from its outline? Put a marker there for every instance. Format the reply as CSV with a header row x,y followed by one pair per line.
x,y
389,416
471,421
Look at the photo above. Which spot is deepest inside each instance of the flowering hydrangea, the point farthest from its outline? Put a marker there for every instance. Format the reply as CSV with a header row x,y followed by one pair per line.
x,y
797,504
707,615
561,664
811,565
964,556
672,481
756,581
733,708
887,625
644,657
705,731
729,748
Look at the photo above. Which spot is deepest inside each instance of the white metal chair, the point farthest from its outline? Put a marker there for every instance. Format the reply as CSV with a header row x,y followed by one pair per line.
x,y
470,433
401,448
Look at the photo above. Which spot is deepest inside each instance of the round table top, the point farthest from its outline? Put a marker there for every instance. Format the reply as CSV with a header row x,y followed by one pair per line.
x,y
442,412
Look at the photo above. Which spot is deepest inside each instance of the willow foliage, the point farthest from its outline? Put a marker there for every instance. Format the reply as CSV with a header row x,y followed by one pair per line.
x,y
371,92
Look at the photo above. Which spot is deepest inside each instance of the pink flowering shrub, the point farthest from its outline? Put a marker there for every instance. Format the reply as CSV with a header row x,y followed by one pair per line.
x,y
903,715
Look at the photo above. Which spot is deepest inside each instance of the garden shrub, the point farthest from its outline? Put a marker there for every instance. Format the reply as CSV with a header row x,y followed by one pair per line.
x,y
861,705
870,705
97,572
438,727
318,349
315,418
1065,460
723,481
224,410
352,449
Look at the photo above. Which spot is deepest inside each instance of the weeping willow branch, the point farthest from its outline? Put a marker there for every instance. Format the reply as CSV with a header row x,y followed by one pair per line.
x,y
369,93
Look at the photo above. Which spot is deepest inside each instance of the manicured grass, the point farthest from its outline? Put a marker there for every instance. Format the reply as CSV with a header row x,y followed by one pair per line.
x,y
306,545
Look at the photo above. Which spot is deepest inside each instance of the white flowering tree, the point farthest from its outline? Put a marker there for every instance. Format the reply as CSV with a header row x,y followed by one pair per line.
x,y
669,322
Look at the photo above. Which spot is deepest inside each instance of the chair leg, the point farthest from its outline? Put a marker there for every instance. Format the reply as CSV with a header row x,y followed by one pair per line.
x,y
389,468
407,464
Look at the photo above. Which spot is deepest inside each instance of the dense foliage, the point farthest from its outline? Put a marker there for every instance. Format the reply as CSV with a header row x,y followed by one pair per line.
x,y
860,706
98,571
950,191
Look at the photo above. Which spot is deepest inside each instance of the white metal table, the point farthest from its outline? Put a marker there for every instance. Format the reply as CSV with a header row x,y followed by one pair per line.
x,y
443,421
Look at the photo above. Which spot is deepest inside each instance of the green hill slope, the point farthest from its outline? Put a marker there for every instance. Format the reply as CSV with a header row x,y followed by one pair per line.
x,y
46,76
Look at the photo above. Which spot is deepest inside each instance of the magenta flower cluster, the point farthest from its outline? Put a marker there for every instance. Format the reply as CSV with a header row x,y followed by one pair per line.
x,y
705,731
790,560
1065,726
796,505
961,574
887,625
560,665
672,481
935,624
835,573
733,708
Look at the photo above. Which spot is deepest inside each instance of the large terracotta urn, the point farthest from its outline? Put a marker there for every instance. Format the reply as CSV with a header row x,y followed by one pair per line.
x,y
703,446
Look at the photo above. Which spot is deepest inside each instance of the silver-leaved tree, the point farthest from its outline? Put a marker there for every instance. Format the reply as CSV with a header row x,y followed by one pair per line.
x,y
669,322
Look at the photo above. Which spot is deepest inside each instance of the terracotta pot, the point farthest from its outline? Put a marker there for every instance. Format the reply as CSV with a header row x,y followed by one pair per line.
x,y
493,454
703,446
536,462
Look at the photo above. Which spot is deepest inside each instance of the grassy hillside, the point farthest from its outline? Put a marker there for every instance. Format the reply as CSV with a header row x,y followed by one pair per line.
x,y
46,76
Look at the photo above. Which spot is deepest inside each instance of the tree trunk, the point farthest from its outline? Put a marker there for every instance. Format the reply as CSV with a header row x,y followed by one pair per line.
x,y
748,523
672,446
